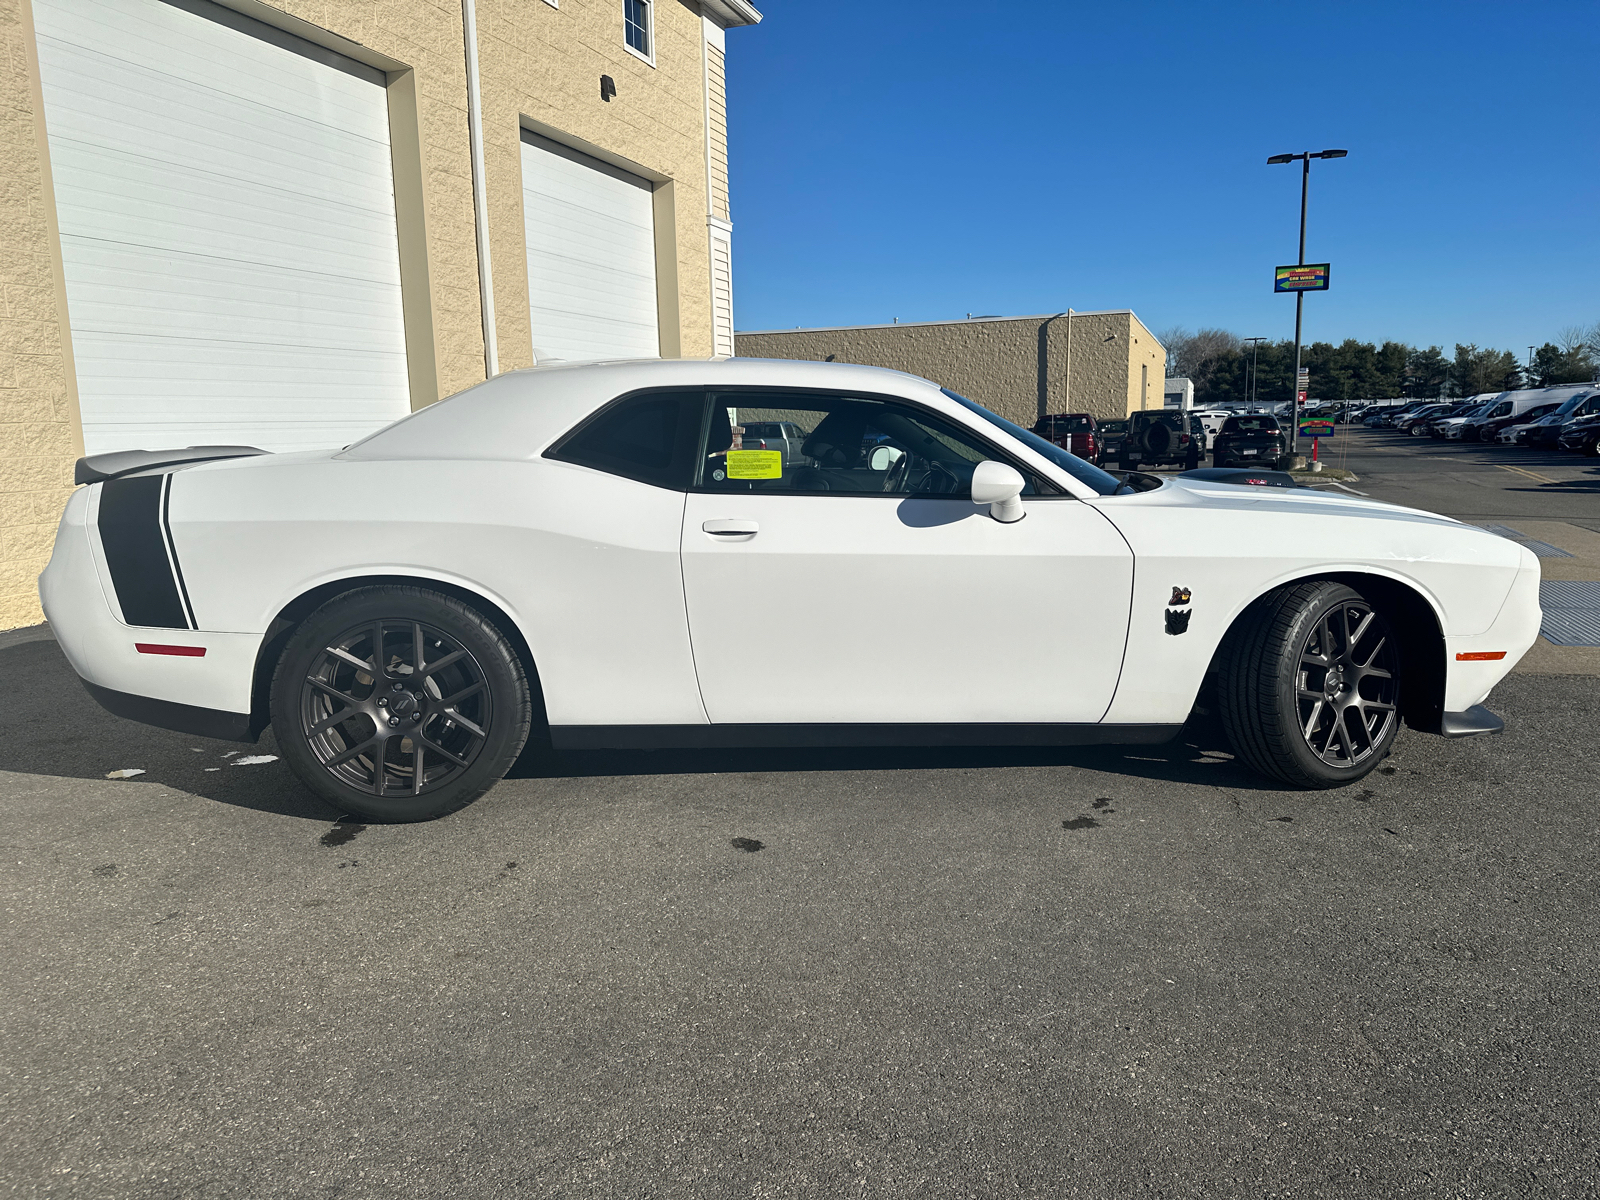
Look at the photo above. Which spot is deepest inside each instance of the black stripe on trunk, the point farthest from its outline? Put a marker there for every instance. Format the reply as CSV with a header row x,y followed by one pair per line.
x,y
130,530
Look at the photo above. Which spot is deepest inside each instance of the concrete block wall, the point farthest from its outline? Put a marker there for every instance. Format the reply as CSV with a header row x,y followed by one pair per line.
x,y
1014,366
39,432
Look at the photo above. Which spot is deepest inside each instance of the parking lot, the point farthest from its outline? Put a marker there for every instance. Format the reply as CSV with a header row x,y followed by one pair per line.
x,y
1100,972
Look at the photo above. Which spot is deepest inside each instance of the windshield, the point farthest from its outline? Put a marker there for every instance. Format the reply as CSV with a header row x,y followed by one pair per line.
x,y
1250,425
1572,402
1083,472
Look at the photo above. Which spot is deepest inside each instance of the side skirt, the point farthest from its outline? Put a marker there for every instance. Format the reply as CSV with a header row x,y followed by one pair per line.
x,y
724,737
166,714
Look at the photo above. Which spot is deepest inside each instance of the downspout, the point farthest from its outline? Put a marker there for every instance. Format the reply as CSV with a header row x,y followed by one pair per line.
x,y
480,197
1068,400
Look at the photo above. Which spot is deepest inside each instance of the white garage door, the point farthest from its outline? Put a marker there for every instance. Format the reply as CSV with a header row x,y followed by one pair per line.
x,y
226,205
591,255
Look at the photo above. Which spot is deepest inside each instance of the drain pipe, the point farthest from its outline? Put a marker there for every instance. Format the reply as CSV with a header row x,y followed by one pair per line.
x,y
480,198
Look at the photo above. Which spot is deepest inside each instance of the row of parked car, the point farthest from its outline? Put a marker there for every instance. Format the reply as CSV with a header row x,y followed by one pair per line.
x,y
1566,417
1168,437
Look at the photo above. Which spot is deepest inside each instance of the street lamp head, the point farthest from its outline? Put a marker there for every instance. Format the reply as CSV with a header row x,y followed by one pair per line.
x,y
1281,158
1332,154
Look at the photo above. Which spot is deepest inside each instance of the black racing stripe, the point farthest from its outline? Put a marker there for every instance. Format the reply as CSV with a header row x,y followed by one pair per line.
x,y
130,531
172,551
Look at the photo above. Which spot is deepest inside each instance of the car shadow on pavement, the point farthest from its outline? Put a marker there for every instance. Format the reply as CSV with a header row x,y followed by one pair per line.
x,y
54,728
1196,756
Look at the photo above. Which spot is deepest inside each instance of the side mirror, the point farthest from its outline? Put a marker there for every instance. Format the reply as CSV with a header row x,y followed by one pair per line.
x,y
882,458
998,486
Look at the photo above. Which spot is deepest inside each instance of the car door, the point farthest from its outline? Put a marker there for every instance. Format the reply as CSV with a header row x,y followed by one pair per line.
x,y
909,603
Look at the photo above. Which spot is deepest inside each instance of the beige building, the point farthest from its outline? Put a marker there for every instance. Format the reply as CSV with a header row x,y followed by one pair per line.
x,y
1105,363
287,223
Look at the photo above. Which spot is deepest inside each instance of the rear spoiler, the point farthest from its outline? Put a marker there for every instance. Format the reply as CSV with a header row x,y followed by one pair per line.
x,y
98,468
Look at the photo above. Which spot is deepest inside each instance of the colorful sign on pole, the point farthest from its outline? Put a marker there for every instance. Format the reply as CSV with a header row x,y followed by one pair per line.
x,y
1311,277
1312,427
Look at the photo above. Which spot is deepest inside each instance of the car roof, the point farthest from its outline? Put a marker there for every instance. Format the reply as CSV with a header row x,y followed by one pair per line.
x,y
517,414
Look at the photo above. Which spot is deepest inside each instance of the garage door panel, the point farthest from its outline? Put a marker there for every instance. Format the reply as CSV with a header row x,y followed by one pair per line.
x,y
226,208
164,223
173,41
591,256
161,134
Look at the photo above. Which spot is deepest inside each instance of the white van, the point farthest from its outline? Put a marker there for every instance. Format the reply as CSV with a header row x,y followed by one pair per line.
x,y
1212,419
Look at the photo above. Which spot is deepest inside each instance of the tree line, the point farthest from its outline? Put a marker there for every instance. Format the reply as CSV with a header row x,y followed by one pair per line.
x,y
1220,365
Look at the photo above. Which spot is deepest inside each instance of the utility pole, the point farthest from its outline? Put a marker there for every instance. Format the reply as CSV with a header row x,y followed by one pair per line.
x,y
1300,297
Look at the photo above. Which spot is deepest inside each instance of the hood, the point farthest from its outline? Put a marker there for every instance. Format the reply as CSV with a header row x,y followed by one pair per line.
x,y
1179,490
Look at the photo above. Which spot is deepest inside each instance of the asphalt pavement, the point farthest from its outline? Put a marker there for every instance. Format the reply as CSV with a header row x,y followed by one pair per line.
x,y
1089,973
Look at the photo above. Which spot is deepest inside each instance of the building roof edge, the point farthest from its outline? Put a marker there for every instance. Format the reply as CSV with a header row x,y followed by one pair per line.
x,y
732,12
1098,312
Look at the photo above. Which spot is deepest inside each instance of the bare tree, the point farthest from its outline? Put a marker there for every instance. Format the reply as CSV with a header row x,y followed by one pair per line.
x,y
1189,353
1176,339
1574,337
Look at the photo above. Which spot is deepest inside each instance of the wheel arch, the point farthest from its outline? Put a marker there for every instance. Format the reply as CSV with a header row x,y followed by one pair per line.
x,y
288,618
1415,621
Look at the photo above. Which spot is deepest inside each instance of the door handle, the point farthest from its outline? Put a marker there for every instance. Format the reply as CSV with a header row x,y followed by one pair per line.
x,y
731,529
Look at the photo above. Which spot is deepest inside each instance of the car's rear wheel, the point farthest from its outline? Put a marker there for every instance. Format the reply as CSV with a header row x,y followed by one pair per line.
x,y
399,703
1309,685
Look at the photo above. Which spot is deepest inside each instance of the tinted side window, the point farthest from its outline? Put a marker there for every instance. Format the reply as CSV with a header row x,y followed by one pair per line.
x,y
846,446
651,438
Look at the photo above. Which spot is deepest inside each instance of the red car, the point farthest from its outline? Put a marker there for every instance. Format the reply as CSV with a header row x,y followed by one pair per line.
x,y
1075,432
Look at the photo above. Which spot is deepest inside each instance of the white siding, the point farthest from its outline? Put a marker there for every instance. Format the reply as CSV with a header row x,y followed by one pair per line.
x,y
226,206
721,293
591,256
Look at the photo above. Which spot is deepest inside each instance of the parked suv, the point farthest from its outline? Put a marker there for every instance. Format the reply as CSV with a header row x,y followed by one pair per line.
x,y
1507,430
1545,433
1158,438
1112,434
1250,440
1075,432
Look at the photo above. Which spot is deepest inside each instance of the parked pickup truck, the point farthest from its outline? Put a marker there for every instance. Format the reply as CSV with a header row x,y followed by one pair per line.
x,y
1074,432
776,435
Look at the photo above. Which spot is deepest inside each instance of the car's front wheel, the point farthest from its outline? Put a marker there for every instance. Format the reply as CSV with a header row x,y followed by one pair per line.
x,y
399,703
1309,685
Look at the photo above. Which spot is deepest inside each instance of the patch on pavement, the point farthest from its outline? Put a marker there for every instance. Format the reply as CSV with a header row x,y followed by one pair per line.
x,y
1542,549
1571,612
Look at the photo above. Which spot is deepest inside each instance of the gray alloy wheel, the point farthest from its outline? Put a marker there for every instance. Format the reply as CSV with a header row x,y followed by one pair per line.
x,y
1309,685
399,703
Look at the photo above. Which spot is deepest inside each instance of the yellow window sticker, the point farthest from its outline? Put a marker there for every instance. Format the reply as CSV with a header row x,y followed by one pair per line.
x,y
755,464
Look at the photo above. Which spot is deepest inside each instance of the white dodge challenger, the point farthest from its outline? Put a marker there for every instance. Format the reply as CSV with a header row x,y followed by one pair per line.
x,y
615,553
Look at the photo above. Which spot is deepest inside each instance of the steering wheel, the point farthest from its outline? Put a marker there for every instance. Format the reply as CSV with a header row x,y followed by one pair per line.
x,y
894,479
940,478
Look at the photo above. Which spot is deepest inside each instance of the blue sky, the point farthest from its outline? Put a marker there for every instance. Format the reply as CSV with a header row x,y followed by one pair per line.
x,y
927,160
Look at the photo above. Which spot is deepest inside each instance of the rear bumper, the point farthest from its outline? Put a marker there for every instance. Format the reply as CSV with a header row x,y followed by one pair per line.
x,y
154,685
183,718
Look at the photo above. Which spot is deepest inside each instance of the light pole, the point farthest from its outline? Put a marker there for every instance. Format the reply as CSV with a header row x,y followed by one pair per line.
x,y
1300,297
1250,379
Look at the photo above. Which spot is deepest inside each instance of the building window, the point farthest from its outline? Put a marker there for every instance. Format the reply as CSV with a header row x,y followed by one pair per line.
x,y
636,26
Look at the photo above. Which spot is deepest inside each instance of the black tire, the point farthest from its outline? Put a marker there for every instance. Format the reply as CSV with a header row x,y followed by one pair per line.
x,y
1285,668
407,748
1218,461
